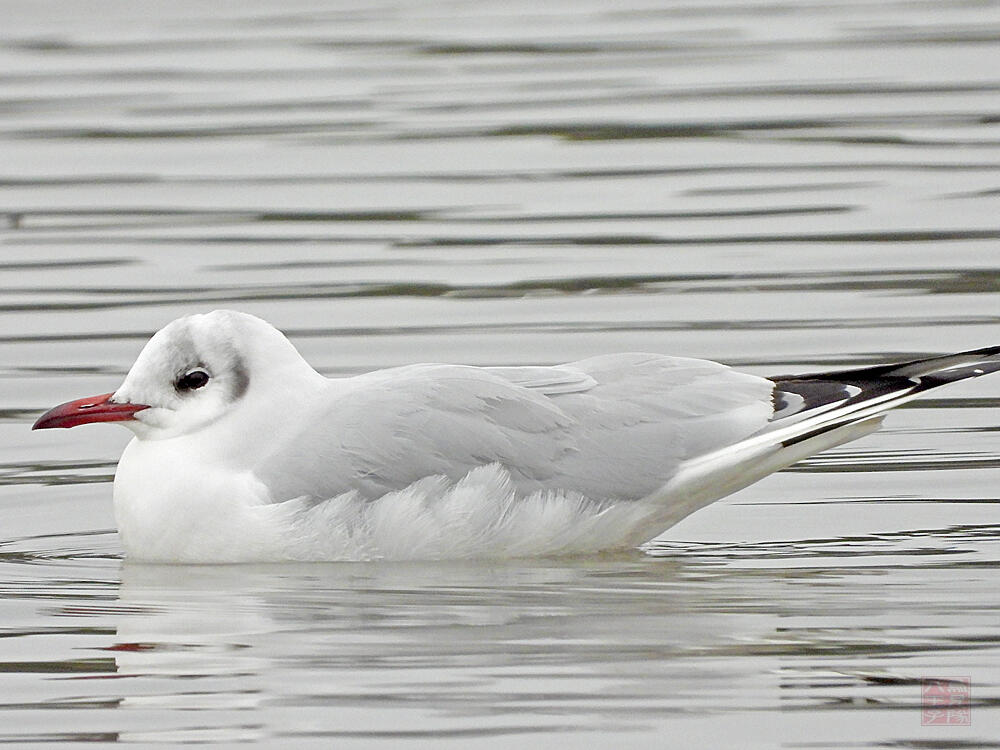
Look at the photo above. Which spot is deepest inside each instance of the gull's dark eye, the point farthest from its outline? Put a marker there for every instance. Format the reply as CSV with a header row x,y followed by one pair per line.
x,y
191,381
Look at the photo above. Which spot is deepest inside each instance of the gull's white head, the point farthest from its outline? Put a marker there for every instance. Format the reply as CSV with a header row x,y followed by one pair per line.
x,y
191,373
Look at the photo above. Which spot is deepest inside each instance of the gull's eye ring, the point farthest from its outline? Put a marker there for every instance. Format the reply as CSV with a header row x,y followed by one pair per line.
x,y
192,380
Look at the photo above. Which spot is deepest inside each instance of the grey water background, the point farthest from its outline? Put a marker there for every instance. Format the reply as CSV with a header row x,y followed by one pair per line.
x,y
780,186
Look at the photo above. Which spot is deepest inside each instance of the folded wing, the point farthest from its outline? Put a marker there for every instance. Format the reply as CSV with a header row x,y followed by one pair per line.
x,y
614,427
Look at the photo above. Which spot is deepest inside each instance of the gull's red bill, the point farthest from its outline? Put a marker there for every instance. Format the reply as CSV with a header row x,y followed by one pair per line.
x,y
86,410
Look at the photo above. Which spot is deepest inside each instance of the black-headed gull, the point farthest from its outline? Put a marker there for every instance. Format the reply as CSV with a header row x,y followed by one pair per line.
x,y
243,452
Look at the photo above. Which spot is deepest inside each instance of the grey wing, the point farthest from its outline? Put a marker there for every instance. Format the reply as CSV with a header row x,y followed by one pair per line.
x,y
647,414
608,427
383,431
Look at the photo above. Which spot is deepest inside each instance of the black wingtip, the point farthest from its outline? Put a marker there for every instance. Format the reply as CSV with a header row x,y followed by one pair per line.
x,y
950,368
946,367
798,394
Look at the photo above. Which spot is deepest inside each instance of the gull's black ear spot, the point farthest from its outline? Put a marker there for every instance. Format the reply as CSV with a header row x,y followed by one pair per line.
x,y
241,378
192,380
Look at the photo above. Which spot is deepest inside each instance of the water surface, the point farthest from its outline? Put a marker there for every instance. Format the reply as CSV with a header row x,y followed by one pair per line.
x,y
778,186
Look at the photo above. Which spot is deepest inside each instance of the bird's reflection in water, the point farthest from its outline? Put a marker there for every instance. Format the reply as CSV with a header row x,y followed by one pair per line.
x,y
447,646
